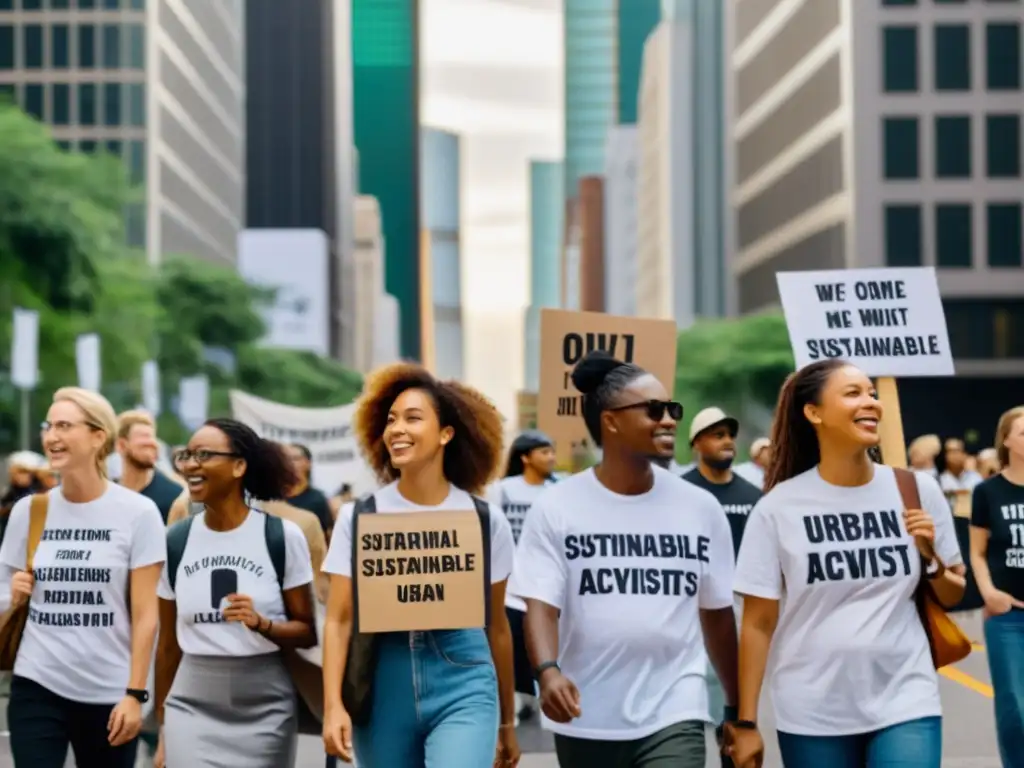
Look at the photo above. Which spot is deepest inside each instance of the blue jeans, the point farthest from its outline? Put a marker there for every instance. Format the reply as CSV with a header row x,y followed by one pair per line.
x,y
913,744
1004,641
435,703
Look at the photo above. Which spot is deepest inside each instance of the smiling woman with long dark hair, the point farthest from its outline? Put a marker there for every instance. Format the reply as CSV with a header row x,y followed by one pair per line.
x,y
852,677
439,697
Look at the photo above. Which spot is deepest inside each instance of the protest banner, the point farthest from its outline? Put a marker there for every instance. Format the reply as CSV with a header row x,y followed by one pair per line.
x,y
420,571
565,337
889,322
327,432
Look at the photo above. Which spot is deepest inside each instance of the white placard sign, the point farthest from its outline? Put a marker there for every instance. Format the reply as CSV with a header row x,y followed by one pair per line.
x,y
887,322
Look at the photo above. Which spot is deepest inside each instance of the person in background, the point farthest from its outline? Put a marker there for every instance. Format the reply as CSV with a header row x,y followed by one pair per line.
x,y
626,571
440,697
223,695
828,569
178,475
303,495
531,463
82,666
922,454
988,463
139,450
957,478
997,558
47,477
345,495
22,482
760,457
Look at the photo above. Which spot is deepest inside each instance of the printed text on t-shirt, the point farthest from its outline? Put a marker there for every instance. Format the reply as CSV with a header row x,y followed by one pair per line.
x,y
634,580
863,561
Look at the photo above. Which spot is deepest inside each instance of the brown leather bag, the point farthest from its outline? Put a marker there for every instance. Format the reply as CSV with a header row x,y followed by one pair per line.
x,y
947,641
12,623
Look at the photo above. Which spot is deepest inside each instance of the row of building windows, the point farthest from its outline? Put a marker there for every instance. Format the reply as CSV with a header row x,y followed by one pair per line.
x,y
985,329
952,57
66,5
952,147
133,153
894,3
954,235
85,104
111,46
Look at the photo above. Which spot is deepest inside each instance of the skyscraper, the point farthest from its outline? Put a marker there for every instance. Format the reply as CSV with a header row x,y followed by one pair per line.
x,y
299,125
604,42
159,84
385,74
547,217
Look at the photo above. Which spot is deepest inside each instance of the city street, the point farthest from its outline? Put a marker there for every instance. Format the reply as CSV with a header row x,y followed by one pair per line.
x,y
966,695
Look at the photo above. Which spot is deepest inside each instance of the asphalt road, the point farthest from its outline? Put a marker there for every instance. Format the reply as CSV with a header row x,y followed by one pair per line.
x,y
969,733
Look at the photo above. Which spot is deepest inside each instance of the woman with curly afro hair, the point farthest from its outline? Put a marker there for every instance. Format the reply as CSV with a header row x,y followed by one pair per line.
x,y
439,697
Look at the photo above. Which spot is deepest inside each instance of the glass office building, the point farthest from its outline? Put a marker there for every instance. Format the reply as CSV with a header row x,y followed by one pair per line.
x,y
158,83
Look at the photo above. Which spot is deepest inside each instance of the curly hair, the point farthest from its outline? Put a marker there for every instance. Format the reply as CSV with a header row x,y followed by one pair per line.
x,y
473,457
268,472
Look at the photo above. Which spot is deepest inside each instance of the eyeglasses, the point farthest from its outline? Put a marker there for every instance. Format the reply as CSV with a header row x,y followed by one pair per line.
x,y
63,427
202,456
656,409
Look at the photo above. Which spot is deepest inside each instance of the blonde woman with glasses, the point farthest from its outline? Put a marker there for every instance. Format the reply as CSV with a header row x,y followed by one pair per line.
x,y
82,666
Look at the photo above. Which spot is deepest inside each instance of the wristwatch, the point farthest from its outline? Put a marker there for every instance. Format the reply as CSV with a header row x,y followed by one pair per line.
x,y
139,694
744,725
542,668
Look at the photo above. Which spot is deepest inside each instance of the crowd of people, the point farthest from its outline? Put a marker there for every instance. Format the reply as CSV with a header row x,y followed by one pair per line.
x,y
210,610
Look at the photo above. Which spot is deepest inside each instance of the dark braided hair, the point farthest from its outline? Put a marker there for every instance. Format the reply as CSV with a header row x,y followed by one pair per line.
x,y
600,378
268,471
795,446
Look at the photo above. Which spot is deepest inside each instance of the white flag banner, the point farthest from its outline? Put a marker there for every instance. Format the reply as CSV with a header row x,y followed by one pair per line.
x,y
87,360
25,349
327,432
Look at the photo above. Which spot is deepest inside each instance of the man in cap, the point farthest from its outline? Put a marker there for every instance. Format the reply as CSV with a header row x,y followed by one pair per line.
x,y
530,469
760,457
713,439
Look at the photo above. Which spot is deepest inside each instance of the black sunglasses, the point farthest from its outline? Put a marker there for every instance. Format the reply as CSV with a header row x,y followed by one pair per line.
x,y
656,409
201,457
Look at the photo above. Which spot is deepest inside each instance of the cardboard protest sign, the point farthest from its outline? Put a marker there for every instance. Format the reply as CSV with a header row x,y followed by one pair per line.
x,y
420,571
887,322
565,337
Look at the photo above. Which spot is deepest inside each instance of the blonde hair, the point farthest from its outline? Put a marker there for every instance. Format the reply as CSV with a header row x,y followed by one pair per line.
x,y
99,414
130,419
1003,431
926,446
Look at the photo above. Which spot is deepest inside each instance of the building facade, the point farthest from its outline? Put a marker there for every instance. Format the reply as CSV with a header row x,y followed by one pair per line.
x,y
620,209
665,251
375,313
441,197
604,42
299,128
591,224
158,83
547,225
385,77
868,134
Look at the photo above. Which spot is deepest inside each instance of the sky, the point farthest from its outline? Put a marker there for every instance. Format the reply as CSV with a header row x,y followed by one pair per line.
x,y
492,72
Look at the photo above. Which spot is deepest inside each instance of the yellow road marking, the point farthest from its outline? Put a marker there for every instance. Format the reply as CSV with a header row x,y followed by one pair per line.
x,y
967,681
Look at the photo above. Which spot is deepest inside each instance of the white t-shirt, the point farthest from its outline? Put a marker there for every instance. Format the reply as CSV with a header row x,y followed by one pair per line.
x,y
849,654
751,472
216,564
966,481
629,574
388,499
517,496
77,640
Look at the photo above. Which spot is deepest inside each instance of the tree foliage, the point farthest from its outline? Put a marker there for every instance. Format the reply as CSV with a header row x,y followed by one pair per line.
x,y
63,253
732,363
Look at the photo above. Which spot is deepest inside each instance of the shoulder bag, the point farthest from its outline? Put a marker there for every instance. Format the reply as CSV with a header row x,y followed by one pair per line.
x,y
947,642
12,624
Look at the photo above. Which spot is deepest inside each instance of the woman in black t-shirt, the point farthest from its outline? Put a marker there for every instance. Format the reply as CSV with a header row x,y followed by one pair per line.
x,y
997,557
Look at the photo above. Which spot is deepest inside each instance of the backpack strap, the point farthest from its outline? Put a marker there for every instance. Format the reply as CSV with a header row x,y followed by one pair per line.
x,y
483,511
910,492
273,531
177,539
39,506
364,505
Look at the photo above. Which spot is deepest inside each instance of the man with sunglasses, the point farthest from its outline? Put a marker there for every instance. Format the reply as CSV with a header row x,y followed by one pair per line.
x,y
626,571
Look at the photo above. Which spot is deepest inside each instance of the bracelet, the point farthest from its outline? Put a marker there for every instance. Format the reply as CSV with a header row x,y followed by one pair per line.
x,y
506,725
270,626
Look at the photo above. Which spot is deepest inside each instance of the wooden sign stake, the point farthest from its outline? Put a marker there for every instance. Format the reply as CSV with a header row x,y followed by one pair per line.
x,y
893,443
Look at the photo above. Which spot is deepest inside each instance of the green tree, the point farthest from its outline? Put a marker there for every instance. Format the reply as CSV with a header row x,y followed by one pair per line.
x,y
732,363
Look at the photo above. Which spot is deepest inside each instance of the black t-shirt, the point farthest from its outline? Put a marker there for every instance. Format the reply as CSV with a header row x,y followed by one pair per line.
x,y
737,498
163,491
314,501
998,507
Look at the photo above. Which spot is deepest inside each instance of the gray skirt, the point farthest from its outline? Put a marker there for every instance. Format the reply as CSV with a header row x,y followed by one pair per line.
x,y
228,711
